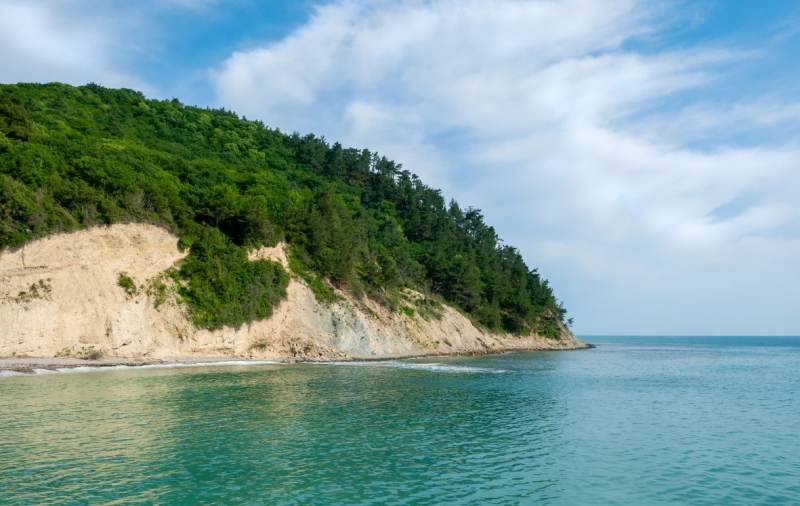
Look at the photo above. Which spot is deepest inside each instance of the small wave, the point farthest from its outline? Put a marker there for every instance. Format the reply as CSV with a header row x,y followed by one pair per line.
x,y
453,368
167,366
125,367
391,364
8,374
433,366
208,364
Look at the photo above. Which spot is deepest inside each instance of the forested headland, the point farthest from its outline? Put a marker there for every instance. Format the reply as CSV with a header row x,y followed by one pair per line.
x,y
76,157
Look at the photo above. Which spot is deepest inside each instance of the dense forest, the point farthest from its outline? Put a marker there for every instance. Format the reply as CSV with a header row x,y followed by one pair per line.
x,y
75,157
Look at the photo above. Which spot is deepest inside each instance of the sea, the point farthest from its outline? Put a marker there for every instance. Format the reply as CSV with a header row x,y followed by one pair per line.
x,y
636,420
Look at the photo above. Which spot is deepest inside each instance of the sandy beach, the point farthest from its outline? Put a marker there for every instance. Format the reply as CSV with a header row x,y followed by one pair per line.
x,y
30,365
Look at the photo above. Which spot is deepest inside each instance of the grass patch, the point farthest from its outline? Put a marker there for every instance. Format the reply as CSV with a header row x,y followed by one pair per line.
x,y
428,308
162,286
407,311
38,290
85,352
127,284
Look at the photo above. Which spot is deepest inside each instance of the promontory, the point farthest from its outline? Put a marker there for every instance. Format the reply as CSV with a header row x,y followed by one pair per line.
x,y
149,230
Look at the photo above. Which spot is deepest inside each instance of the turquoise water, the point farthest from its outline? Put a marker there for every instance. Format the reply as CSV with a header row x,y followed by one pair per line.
x,y
635,421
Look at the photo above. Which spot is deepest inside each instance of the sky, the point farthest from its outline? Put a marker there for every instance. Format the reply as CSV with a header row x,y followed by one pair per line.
x,y
643,155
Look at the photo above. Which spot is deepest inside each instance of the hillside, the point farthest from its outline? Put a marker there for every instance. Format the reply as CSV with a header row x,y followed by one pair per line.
x,y
60,297
355,224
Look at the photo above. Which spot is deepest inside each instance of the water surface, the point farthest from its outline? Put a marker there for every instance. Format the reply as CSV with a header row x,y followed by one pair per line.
x,y
635,421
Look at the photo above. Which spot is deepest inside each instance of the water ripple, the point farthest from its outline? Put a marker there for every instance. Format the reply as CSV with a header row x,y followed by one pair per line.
x,y
619,426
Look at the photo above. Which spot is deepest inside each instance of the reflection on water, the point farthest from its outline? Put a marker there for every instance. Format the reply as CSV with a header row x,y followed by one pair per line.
x,y
643,421
64,435
273,434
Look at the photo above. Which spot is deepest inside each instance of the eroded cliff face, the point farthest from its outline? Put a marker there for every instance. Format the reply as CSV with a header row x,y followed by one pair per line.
x,y
60,296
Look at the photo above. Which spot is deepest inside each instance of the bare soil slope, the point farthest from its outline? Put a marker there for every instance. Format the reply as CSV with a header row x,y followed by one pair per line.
x,y
59,296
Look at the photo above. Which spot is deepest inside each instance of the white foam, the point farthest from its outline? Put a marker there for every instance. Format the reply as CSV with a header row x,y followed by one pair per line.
x,y
391,364
8,374
106,368
80,369
167,366
213,364
430,366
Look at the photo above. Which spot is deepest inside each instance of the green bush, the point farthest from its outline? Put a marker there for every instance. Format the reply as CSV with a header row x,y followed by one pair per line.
x,y
127,284
222,287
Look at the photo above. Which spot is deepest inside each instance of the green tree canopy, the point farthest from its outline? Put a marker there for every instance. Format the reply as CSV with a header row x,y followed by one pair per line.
x,y
73,157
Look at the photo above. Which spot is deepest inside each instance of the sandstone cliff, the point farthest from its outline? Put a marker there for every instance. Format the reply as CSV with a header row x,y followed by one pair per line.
x,y
60,296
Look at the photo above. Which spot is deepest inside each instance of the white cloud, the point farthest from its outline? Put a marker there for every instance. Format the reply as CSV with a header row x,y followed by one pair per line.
x,y
68,41
544,115
81,41
187,4
620,172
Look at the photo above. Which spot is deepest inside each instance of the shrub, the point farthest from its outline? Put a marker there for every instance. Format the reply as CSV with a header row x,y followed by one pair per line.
x,y
222,287
127,284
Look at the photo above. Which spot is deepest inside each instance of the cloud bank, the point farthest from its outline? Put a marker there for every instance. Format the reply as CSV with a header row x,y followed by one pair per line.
x,y
68,41
653,180
650,203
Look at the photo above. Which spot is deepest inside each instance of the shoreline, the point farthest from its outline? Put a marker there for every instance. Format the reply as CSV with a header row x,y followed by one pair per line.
x,y
29,365
81,311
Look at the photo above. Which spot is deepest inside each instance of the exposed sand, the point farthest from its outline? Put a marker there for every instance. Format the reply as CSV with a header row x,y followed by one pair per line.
x,y
76,310
29,365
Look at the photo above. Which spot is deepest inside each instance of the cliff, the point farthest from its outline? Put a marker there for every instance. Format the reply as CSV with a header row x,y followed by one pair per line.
x,y
61,297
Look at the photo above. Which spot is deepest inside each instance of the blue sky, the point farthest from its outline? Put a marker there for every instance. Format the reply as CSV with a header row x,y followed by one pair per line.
x,y
644,155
